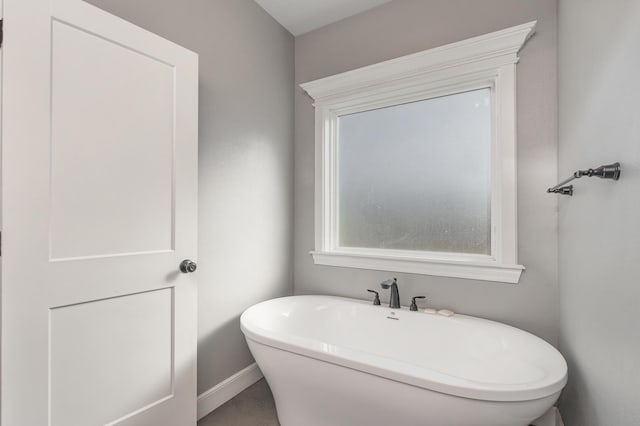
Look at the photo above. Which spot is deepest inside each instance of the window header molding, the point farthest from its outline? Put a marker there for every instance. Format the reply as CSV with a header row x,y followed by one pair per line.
x,y
486,61
487,51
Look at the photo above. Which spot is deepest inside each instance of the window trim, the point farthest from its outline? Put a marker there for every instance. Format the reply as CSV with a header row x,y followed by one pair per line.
x,y
487,61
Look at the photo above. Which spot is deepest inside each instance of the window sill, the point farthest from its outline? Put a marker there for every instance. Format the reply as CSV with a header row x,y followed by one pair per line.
x,y
477,270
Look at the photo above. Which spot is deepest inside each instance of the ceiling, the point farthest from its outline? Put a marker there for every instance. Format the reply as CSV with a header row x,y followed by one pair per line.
x,y
302,16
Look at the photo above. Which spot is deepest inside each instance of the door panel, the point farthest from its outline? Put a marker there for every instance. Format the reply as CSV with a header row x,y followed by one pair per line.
x,y
116,197
99,181
114,355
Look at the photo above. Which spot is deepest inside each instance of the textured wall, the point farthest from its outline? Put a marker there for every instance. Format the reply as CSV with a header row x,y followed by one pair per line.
x,y
245,166
599,225
407,26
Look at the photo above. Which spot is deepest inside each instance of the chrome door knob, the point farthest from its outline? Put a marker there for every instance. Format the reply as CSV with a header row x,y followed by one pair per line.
x,y
187,266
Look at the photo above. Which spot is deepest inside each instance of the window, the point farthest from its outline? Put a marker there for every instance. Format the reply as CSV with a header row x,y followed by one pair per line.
x,y
415,162
417,176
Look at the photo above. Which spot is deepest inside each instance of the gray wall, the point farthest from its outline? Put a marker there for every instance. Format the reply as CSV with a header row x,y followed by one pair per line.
x,y
246,162
599,225
407,26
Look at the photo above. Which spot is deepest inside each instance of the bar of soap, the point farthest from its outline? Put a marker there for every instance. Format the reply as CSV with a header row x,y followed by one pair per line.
x,y
430,311
446,313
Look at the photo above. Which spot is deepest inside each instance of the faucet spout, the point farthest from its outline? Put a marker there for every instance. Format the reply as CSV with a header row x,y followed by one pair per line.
x,y
394,299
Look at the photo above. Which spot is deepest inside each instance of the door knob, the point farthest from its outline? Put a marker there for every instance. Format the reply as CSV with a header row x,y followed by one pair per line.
x,y
187,266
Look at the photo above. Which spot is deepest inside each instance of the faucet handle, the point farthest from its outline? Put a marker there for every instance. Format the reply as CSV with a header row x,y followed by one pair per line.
x,y
376,299
414,306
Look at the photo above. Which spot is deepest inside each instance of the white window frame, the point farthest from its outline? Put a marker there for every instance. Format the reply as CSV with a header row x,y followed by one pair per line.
x,y
487,61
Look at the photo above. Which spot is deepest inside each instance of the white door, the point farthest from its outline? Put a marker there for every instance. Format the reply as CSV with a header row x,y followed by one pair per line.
x,y
99,175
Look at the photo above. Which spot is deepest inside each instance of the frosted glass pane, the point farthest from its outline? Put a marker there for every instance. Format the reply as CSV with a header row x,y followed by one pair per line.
x,y
417,176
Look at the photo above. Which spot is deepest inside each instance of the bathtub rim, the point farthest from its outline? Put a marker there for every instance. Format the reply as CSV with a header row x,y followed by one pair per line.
x,y
404,372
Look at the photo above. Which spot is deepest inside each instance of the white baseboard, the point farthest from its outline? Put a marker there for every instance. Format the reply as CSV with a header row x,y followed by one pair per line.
x,y
227,389
559,421
551,418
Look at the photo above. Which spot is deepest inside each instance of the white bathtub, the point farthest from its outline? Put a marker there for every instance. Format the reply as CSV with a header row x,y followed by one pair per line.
x,y
333,361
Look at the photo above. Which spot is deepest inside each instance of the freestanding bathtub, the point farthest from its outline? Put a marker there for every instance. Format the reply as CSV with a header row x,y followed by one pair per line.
x,y
333,361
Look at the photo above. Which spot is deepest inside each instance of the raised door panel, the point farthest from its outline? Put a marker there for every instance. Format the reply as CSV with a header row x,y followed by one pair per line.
x,y
112,144
111,358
